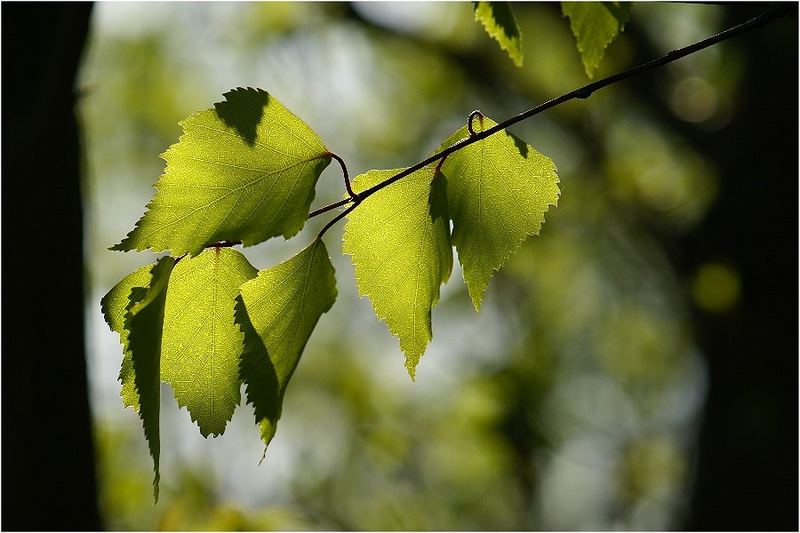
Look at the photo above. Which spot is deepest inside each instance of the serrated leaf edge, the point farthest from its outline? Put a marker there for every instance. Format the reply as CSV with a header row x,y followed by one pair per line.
x,y
122,246
477,299
581,49
515,55
407,353
240,309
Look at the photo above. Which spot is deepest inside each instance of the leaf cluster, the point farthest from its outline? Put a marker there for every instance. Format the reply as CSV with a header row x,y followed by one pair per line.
x,y
204,320
595,26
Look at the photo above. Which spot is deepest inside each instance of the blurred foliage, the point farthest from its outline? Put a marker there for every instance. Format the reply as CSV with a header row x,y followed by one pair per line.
x,y
569,402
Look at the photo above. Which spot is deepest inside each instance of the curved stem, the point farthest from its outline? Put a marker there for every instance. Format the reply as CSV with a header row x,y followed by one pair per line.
x,y
347,186
472,116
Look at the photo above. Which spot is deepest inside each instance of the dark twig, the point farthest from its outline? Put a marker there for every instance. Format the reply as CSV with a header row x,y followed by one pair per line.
x,y
334,220
581,93
223,244
472,116
353,195
330,207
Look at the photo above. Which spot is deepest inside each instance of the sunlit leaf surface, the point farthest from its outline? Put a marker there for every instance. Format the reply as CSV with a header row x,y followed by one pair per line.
x,y
498,190
243,171
399,240
499,22
595,25
277,312
202,344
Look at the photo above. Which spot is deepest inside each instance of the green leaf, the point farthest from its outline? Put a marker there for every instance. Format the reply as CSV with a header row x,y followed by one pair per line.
x,y
399,241
498,190
130,398
277,312
115,305
202,344
595,25
144,323
499,22
244,171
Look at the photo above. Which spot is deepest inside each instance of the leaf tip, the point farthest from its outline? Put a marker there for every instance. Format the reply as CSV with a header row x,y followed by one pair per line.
x,y
266,429
121,246
263,456
411,366
499,22
156,480
476,287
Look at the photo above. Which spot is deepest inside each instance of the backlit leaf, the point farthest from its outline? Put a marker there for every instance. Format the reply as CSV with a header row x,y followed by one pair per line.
x,y
499,22
498,190
244,171
115,305
144,322
595,25
399,240
202,344
277,312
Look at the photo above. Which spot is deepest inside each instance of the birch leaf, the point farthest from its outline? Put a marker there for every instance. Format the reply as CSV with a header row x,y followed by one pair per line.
x,y
595,25
498,190
243,171
500,23
399,241
114,306
202,344
144,323
277,311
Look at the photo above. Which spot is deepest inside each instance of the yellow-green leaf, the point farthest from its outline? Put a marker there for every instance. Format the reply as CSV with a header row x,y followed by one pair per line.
x,y
499,22
144,323
277,311
115,305
244,171
399,241
595,25
498,190
202,345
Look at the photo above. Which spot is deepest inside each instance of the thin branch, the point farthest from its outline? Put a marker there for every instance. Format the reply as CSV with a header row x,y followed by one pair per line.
x,y
223,244
580,93
329,207
334,220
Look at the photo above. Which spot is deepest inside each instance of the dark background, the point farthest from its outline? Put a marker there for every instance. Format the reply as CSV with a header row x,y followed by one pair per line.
x,y
747,470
